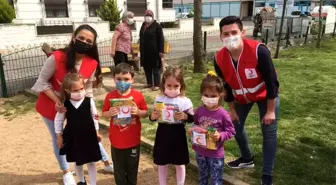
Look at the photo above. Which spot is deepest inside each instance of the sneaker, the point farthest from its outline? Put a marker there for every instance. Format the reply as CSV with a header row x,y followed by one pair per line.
x,y
68,179
266,180
81,183
109,168
241,163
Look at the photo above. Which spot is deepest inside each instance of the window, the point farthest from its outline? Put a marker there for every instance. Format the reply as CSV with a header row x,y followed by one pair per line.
x,y
94,5
138,7
167,3
56,8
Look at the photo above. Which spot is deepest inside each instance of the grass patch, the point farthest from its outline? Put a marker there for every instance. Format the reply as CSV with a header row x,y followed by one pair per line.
x,y
306,130
16,106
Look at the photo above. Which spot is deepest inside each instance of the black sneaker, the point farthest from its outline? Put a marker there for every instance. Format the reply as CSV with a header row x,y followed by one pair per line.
x,y
266,180
241,163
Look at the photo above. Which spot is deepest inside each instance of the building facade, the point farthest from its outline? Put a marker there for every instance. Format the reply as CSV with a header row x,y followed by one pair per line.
x,y
32,11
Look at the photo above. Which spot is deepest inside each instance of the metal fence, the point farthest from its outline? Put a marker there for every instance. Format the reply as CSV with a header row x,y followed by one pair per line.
x,y
20,67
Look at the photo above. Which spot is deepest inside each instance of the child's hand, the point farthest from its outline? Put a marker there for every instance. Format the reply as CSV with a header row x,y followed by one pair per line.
x,y
155,115
59,107
60,141
180,116
215,137
135,110
113,111
189,131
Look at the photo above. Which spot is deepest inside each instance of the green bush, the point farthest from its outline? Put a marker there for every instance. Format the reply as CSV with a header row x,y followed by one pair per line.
x,y
109,12
7,13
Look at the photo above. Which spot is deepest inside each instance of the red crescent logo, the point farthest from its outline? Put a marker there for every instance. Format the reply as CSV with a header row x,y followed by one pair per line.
x,y
251,72
168,114
125,112
197,140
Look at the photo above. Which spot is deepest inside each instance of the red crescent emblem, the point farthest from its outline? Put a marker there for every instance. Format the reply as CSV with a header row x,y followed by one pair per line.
x,y
125,112
168,114
251,72
197,140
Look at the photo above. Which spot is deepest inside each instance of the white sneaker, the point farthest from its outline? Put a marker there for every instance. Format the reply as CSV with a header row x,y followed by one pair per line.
x,y
109,168
68,179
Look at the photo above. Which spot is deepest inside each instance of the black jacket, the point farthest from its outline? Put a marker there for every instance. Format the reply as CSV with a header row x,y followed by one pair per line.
x,y
151,44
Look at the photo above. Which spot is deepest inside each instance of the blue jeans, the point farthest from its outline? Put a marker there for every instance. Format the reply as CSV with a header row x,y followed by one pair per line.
x,y
61,159
210,167
269,133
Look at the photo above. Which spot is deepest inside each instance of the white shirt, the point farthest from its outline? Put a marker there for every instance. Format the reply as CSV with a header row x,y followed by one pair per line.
x,y
60,117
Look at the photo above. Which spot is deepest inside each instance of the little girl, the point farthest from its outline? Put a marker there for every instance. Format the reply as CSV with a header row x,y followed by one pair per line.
x,y
173,110
211,115
79,140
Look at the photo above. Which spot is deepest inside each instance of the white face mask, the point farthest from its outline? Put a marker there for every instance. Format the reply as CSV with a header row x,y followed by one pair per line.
x,y
148,19
172,93
210,102
232,43
78,95
130,21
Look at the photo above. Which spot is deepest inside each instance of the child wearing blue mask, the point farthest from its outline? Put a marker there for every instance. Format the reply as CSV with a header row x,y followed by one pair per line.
x,y
124,107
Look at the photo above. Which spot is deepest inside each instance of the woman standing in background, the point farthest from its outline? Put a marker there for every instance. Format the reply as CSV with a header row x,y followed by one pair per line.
x,y
151,50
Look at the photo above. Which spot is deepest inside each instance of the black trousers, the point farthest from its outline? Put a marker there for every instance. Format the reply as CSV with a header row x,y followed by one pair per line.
x,y
120,57
126,164
152,75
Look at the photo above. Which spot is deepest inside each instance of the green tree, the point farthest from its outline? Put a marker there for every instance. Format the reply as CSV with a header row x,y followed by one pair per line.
x,y
7,13
109,11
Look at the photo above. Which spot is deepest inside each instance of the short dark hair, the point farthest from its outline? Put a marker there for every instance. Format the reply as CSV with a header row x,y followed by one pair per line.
x,y
123,68
231,20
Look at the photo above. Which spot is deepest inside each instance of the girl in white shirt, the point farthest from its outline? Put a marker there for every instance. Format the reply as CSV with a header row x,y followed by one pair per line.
x,y
173,110
79,139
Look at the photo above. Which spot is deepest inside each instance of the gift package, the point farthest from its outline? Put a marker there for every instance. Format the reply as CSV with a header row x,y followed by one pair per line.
x,y
201,137
124,116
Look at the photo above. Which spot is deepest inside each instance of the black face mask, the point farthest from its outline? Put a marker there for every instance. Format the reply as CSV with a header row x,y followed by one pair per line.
x,y
81,47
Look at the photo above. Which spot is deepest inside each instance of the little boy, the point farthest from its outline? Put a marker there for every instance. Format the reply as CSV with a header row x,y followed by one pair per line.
x,y
125,138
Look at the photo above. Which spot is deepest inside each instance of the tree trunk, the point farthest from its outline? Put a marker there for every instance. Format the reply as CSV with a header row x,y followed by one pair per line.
x,y
318,43
197,37
280,32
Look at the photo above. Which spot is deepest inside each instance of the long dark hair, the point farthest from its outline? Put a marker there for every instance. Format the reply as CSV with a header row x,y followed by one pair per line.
x,y
93,53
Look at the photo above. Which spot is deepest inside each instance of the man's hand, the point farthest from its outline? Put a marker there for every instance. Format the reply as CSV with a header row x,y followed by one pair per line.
x,y
99,137
180,116
59,141
234,116
269,118
215,137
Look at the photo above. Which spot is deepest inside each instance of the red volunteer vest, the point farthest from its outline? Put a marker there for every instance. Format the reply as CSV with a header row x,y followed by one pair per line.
x,y
246,82
44,105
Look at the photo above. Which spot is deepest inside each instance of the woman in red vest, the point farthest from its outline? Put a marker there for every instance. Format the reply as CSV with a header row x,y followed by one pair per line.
x,y
247,69
80,56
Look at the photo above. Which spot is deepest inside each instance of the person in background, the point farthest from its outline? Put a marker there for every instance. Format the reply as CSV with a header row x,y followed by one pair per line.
x,y
81,55
122,39
247,69
151,50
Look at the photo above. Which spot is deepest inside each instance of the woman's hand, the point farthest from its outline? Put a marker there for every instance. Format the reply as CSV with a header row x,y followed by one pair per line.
x,y
162,55
60,141
112,54
60,107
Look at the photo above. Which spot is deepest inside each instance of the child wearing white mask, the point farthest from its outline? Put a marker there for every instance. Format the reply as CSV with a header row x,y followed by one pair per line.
x,y
172,109
79,139
211,115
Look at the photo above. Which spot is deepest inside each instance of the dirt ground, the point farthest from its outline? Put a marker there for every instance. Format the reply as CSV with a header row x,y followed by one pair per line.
x,y
26,155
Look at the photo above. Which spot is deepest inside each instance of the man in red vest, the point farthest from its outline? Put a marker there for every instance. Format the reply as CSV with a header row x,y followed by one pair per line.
x,y
247,69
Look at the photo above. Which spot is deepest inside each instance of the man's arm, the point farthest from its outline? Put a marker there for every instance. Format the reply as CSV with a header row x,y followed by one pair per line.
x,y
267,71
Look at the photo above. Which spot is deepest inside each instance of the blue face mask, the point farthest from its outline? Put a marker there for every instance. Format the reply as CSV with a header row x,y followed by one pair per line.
x,y
123,86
